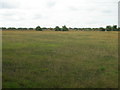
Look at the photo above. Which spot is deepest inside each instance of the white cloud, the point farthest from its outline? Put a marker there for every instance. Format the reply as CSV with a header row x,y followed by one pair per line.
x,y
50,13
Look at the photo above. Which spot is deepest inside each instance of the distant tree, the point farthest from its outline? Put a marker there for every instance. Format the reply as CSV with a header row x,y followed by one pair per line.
x,y
114,28
11,28
50,28
70,28
102,29
44,28
24,29
108,28
64,28
75,28
57,28
3,28
30,28
38,28
19,28
89,29
118,28
80,29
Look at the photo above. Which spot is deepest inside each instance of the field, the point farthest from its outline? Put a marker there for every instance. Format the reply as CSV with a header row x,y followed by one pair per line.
x,y
51,59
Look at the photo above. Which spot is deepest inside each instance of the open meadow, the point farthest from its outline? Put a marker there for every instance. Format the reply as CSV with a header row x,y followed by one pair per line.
x,y
58,59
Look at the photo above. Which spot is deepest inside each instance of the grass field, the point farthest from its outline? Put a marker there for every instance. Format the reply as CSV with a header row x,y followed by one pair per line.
x,y
49,59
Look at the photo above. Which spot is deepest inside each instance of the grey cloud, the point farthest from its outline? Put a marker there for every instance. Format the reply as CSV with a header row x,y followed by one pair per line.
x,y
7,14
99,13
7,5
71,8
86,9
37,16
51,4
11,16
107,11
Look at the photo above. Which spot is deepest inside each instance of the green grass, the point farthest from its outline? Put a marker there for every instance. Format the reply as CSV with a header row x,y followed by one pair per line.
x,y
50,59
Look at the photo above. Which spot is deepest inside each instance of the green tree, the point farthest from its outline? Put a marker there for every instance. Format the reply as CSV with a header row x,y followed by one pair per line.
x,y
57,28
24,28
64,28
30,28
102,29
118,28
38,28
11,28
44,28
4,28
114,28
108,28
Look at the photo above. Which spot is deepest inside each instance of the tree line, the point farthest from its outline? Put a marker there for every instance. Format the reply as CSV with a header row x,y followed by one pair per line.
x,y
64,28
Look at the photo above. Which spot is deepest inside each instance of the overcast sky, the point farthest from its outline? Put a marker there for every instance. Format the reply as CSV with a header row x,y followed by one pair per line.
x,y
51,13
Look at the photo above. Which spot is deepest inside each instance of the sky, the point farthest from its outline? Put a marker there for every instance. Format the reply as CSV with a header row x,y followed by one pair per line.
x,y
51,13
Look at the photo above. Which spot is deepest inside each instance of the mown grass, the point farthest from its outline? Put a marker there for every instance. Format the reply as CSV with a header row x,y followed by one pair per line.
x,y
49,59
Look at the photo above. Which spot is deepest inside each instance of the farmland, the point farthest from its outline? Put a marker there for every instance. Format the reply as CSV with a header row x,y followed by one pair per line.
x,y
58,59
